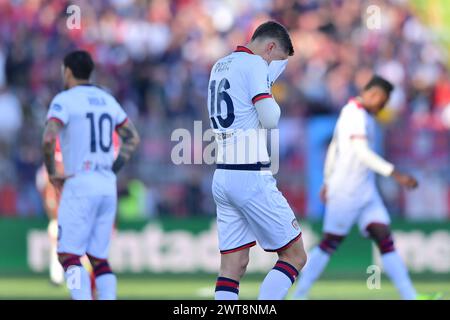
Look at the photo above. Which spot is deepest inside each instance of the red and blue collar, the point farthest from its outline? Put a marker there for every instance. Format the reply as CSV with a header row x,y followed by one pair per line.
x,y
356,102
243,49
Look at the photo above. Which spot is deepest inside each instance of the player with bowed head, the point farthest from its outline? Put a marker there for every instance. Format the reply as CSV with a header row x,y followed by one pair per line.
x,y
249,205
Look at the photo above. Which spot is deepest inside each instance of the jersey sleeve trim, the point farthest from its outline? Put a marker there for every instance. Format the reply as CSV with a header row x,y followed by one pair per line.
x,y
358,136
56,119
122,123
261,96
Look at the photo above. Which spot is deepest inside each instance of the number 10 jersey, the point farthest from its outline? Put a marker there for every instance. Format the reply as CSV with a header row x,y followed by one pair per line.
x,y
89,115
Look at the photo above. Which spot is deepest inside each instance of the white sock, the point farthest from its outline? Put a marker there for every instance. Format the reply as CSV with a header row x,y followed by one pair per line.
x,y
317,261
78,282
397,272
278,281
56,270
106,285
226,289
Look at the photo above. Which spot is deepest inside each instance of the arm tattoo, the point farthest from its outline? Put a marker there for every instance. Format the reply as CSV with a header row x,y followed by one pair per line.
x,y
48,145
130,140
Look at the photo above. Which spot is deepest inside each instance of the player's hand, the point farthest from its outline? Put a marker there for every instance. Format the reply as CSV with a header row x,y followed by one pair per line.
x,y
405,180
58,181
323,194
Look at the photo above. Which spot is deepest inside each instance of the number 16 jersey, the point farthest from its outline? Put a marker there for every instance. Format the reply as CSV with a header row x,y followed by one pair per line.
x,y
236,83
89,115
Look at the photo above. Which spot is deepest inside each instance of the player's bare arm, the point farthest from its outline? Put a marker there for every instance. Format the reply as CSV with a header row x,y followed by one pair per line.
x,y
130,140
405,180
51,133
379,165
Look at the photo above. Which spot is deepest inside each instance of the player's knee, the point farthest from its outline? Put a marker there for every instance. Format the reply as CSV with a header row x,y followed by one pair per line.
x,y
386,245
295,255
300,259
234,266
330,243
68,260
382,236
241,265
100,266
384,241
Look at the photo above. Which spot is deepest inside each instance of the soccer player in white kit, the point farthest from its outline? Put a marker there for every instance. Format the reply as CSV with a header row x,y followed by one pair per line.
x,y
250,208
350,192
84,117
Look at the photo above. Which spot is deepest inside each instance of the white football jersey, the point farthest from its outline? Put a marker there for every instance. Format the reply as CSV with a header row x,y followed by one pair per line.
x,y
89,116
350,177
237,81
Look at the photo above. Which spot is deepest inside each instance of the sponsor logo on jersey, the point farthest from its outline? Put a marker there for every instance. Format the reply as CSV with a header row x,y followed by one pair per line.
x,y
56,107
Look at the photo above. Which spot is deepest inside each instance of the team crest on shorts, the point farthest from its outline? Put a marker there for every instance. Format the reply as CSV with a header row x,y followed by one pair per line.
x,y
295,224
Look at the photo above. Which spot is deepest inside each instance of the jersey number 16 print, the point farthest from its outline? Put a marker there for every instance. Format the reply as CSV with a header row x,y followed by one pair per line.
x,y
216,104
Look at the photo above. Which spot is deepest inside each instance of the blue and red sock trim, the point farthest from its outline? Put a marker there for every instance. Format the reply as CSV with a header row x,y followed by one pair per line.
x,y
102,268
227,284
329,246
289,270
70,260
386,245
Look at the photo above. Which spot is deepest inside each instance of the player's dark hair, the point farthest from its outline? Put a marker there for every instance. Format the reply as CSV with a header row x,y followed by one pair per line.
x,y
80,63
273,29
380,82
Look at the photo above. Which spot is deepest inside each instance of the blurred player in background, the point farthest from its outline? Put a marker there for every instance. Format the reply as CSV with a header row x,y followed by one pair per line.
x,y
249,205
85,117
350,191
51,198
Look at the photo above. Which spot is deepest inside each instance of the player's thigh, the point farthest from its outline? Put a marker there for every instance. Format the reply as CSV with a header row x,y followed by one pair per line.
x,y
340,215
374,212
270,217
100,237
74,223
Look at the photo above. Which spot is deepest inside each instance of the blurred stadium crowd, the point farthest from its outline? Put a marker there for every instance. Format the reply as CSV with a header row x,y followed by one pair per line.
x,y
155,57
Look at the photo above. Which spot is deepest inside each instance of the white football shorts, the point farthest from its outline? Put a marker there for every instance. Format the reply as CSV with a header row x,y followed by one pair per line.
x,y
85,224
250,208
342,212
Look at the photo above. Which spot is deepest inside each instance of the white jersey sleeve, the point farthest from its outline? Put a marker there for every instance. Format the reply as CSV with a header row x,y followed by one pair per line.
x,y
257,75
356,122
59,110
268,113
276,68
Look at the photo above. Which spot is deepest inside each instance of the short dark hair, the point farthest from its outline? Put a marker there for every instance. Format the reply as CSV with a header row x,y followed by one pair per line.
x,y
273,29
80,63
380,82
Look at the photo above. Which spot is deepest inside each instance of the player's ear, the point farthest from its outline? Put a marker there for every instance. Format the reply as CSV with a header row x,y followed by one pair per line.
x,y
68,73
272,46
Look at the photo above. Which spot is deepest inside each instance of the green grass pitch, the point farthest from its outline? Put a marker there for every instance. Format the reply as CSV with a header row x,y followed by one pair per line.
x,y
179,288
